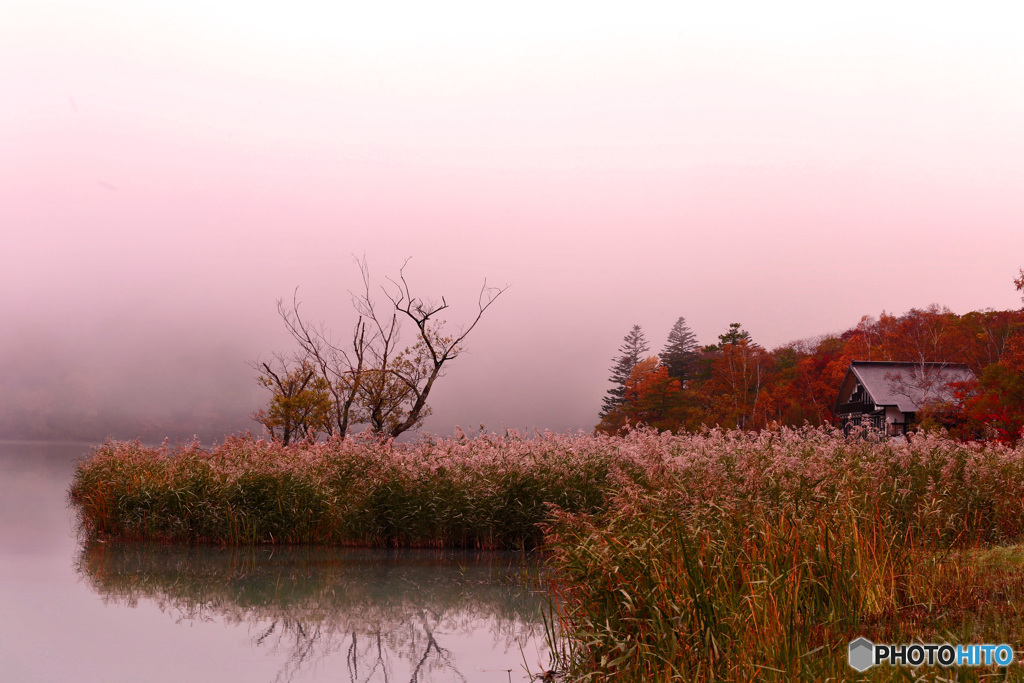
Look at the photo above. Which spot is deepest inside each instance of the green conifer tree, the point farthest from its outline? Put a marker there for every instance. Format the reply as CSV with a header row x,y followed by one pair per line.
x,y
681,352
733,336
633,350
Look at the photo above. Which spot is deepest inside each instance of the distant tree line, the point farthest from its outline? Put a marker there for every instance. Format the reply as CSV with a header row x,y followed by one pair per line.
x,y
90,424
738,383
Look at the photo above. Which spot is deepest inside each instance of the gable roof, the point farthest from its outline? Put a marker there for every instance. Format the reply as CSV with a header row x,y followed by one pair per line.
x,y
907,386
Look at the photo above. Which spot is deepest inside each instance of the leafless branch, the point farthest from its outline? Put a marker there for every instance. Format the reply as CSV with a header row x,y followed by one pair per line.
x,y
373,379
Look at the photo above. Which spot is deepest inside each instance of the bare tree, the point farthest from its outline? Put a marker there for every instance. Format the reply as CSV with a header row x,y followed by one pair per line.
x,y
374,380
438,347
929,384
342,369
922,383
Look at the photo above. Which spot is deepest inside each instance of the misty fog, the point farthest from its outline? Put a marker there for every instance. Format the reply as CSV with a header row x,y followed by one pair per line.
x,y
167,173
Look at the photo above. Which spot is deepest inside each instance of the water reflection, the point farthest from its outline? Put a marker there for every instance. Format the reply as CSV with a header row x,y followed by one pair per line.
x,y
368,615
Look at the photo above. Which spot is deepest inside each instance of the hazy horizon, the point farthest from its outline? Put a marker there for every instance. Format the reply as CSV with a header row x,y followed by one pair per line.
x,y
169,171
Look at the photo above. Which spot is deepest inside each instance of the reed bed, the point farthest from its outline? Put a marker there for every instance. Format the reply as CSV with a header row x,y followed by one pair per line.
x,y
759,557
487,492
722,555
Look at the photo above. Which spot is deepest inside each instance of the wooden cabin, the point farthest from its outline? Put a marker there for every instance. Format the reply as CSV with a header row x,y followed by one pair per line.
x,y
888,395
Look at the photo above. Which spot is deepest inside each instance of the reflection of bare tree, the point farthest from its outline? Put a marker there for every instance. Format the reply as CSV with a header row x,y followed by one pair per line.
x,y
443,657
389,613
303,642
379,665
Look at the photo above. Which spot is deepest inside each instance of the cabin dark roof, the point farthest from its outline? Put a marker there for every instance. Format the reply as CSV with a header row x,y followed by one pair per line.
x,y
907,386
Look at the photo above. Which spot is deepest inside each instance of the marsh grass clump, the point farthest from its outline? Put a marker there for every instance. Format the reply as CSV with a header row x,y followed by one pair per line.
x,y
740,594
488,492
766,598
759,557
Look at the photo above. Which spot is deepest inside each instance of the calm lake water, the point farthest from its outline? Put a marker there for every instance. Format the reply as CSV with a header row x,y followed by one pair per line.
x,y
120,612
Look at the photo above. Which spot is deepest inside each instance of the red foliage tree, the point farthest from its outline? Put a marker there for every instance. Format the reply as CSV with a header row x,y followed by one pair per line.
x,y
652,398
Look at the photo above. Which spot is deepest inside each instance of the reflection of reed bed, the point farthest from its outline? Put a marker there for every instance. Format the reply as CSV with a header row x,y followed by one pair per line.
x,y
383,607
321,583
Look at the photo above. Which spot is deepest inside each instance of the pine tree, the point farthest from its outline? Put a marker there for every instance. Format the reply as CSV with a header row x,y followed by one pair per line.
x,y
634,346
680,353
734,336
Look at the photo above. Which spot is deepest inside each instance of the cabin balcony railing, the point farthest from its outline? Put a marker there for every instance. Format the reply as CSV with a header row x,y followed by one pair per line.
x,y
858,407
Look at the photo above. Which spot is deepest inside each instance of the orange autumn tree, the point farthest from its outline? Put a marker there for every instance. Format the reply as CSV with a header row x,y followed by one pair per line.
x,y
741,370
652,398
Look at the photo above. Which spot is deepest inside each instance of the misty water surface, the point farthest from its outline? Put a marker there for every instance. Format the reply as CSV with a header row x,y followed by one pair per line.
x,y
133,612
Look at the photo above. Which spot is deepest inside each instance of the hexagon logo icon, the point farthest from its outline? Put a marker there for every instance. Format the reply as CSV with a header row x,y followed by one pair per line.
x,y
862,654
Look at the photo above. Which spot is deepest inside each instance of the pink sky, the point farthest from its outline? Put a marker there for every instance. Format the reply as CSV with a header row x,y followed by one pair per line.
x,y
168,170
